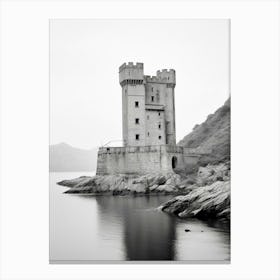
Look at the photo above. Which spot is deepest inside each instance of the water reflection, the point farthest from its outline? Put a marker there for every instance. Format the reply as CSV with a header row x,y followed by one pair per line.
x,y
147,233
116,228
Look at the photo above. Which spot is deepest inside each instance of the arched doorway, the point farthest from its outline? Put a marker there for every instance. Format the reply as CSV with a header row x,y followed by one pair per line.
x,y
174,162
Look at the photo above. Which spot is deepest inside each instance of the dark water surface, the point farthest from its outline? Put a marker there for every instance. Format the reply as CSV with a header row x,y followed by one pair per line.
x,y
115,228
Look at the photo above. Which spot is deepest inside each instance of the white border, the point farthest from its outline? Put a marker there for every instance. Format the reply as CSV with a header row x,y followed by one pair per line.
x,y
255,138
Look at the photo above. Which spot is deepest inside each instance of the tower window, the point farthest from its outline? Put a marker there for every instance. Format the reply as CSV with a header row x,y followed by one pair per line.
x,y
152,97
159,114
159,126
136,104
137,121
148,117
157,97
137,136
148,133
159,137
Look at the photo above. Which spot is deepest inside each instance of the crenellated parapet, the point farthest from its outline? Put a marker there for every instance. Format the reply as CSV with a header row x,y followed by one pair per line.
x,y
133,74
168,75
153,79
164,77
131,65
130,73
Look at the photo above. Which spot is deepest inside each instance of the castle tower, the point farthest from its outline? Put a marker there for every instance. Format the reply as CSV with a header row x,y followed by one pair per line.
x,y
147,106
131,79
148,123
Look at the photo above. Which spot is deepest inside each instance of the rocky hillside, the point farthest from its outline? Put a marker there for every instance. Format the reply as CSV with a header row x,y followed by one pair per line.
x,y
65,158
213,134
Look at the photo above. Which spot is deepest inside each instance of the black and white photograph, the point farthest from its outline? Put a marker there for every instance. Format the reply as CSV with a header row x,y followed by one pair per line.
x,y
139,140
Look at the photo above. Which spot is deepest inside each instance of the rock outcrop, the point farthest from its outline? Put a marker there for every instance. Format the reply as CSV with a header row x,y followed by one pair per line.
x,y
124,184
208,198
211,201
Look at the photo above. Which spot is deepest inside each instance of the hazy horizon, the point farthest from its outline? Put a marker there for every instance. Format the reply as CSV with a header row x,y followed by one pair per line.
x,y
85,95
63,142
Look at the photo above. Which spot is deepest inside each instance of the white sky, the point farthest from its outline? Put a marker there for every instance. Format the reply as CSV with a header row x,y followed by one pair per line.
x,y
85,101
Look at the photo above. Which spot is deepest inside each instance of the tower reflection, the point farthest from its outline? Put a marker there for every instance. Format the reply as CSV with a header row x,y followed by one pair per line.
x,y
148,234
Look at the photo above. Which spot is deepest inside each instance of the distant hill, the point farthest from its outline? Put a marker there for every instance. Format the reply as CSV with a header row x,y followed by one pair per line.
x,y
65,158
213,134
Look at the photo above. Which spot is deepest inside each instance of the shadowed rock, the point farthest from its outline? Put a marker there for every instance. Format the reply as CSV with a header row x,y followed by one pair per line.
x,y
207,197
212,201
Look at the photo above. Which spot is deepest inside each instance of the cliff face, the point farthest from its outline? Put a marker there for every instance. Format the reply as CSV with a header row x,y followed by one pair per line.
x,y
213,134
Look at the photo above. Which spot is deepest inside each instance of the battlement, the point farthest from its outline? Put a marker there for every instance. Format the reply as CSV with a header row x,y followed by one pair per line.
x,y
154,79
165,71
167,75
131,65
163,76
130,73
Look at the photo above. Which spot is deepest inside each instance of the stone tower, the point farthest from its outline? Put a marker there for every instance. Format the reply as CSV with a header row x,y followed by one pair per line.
x,y
148,122
147,106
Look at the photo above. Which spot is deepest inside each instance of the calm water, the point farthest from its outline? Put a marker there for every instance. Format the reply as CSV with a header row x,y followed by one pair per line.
x,y
114,228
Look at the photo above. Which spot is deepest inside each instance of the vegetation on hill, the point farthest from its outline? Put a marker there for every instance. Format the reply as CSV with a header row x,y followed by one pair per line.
x,y
212,135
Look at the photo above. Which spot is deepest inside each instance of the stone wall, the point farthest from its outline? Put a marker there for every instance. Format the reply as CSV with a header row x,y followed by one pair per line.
x,y
138,160
135,93
155,127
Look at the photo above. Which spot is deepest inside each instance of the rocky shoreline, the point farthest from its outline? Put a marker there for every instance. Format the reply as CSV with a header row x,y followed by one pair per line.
x,y
204,194
125,184
208,202
209,199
